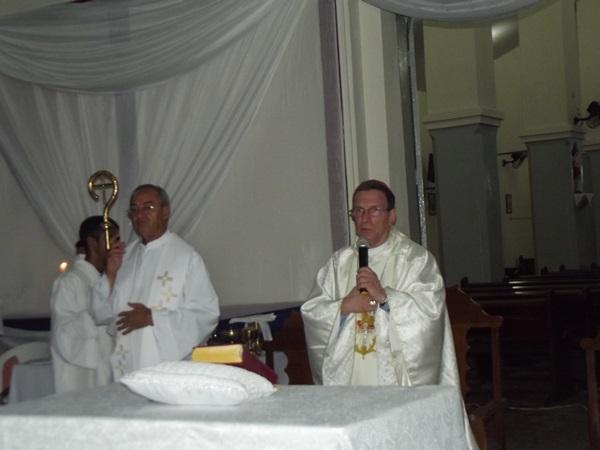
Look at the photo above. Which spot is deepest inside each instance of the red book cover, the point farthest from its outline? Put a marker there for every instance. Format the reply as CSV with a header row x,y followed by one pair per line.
x,y
253,364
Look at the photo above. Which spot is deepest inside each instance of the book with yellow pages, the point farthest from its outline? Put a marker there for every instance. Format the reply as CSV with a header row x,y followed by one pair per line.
x,y
234,355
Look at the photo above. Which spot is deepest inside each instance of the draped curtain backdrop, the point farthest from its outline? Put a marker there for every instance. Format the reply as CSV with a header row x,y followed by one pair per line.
x,y
155,91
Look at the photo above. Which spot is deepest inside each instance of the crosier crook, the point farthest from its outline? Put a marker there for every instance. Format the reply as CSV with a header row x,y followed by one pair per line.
x,y
92,188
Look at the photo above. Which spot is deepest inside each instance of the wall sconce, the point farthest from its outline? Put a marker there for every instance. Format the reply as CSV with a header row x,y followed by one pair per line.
x,y
516,160
593,118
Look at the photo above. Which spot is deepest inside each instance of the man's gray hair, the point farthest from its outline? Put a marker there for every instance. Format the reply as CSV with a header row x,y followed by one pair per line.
x,y
162,194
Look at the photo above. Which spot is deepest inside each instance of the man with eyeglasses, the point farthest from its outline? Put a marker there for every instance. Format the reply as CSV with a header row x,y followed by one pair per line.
x,y
81,349
385,324
158,290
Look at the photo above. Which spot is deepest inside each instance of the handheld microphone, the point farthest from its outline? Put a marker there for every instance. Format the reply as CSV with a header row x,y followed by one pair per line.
x,y
363,252
363,256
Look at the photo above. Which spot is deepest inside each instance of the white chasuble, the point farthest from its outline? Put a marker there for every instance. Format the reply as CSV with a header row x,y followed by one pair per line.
x,y
80,349
413,340
168,276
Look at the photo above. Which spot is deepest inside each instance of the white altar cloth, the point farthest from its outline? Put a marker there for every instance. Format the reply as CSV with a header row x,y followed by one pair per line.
x,y
294,417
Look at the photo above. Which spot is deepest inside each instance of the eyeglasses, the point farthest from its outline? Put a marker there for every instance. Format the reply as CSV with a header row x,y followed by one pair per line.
x,y
372,212
143,209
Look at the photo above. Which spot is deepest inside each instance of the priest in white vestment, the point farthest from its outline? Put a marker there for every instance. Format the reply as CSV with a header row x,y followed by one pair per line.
x,y
385,324
157,290
81,349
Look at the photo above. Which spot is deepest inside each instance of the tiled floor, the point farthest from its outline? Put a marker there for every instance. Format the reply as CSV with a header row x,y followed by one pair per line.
x,y
533,422
561,427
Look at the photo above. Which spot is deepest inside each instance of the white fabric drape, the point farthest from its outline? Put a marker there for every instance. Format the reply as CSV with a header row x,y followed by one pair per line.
x,y
8,7
453,10
114,46
157,91
232,84
52,142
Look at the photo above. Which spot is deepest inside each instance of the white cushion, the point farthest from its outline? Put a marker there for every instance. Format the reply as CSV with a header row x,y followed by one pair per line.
x,y
197,383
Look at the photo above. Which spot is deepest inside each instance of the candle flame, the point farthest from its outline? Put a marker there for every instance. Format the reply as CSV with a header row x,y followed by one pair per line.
x,y
63,266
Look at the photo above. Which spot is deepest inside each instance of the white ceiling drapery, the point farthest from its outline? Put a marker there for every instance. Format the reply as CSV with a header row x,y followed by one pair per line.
x,y
9,7
115,46
453,10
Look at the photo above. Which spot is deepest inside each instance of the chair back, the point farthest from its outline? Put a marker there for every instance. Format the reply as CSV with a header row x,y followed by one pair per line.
x,y
20,354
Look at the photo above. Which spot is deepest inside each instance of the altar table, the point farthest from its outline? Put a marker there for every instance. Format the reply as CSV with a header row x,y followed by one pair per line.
x,y
294,417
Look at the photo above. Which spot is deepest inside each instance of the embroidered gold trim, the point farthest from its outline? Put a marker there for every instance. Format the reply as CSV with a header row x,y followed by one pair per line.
x,y
363,349
365,332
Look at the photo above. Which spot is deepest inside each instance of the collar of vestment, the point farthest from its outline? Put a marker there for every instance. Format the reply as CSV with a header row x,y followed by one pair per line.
x,y
156,242
380,249
86,268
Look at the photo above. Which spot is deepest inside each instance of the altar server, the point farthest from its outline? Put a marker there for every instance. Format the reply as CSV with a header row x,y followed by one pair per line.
x,y
81,349
158,290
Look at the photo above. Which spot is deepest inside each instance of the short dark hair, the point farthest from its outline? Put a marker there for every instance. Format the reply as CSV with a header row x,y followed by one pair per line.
x,y
162,194
377,185
93,227
79,247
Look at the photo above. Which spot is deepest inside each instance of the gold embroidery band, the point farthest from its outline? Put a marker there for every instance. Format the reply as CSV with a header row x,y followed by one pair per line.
x,y
365,334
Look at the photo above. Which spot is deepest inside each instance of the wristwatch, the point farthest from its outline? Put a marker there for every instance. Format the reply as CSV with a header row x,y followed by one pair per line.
x,y
384,304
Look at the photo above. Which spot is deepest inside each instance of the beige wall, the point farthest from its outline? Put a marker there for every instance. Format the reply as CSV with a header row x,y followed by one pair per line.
x,y
582,62
588,13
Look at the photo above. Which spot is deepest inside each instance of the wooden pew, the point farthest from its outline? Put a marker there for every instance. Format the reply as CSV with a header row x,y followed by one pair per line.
x,y
533,282
466,317
591,346
576,300
593,271
574,313
573,303
529,339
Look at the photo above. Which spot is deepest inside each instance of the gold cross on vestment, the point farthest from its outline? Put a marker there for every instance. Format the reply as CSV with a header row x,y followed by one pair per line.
x,y
164,278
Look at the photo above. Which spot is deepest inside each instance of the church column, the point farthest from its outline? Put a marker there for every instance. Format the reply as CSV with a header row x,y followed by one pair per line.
x,y
592,184
550,85
462,121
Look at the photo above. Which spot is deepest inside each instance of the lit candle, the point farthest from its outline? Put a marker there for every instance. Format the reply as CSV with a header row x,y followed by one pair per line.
x,y
63,266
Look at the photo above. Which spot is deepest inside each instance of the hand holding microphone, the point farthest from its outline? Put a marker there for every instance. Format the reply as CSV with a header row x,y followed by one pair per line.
x,y
363,261
361,298
367,280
